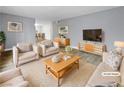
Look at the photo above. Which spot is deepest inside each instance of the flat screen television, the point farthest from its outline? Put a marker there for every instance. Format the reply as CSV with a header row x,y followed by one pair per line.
x,y
92,35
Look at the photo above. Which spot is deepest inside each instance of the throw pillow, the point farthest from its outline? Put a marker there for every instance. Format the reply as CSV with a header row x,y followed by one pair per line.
x,y
118,51
47,43
114,60
24,47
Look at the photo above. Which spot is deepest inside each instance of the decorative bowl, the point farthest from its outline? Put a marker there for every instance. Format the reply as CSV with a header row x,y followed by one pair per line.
x,y
66,57
56,58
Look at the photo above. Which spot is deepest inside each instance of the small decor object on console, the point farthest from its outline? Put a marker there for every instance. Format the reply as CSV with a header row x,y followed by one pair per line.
x,y
14,27
56,58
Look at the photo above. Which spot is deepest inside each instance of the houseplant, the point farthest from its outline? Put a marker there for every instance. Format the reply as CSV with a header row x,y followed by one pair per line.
x,y
2,41
68,49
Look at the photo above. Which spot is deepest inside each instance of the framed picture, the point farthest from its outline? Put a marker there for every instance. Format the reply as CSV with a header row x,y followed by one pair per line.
x,y
63,29
14,27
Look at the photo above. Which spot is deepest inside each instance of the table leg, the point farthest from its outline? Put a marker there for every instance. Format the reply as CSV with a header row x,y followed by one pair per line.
x,y
46,69
58,79
77,63
58,82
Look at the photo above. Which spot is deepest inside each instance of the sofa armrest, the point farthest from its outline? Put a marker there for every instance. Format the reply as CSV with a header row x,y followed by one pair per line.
x,y
9,74
56,44
15,55
104,58
23,84
35,49
43,49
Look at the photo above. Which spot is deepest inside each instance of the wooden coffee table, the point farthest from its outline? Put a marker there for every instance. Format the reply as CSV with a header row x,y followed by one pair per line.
x,y
59,69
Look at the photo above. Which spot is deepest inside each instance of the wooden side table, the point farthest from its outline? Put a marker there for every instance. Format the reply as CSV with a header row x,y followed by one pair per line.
x,y
62,41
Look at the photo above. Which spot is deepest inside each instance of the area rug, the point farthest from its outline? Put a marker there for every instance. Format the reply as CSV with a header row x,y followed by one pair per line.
x,y
34,72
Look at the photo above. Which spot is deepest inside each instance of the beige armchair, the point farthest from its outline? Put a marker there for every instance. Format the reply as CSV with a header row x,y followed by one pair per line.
x,y
24,52
48,47
12,78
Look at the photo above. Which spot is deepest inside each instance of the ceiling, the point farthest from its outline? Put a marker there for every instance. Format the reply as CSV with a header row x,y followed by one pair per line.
x,y
52,13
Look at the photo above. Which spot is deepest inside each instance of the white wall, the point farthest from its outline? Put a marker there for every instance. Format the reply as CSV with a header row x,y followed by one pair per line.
x,y
45,27
110,21
12,38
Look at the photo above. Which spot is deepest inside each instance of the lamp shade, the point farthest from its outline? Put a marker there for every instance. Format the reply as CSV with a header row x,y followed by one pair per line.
x,y
119,44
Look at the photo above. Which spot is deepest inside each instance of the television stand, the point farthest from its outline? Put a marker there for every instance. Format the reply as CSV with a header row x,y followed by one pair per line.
x,y
92,47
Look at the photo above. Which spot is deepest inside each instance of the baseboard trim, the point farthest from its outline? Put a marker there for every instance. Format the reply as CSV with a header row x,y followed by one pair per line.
x,y
8,49
74,47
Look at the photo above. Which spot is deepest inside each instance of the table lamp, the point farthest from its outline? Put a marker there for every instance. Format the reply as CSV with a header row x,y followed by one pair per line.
x,y
119,45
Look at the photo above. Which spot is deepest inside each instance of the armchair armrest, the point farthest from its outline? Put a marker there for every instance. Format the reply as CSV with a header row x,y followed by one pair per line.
x,y
15,55
43,49
56,44
105,54
23,84
9,74
35,49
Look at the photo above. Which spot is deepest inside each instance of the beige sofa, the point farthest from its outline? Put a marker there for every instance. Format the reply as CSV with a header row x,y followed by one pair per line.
x,y
24,52
48,47
97,79
12,78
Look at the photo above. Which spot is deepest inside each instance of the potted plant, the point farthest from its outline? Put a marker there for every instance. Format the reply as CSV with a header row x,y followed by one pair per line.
x,y
2,41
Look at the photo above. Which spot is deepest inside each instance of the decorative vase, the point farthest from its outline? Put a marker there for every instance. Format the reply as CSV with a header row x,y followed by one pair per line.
x,y
68,49
56,58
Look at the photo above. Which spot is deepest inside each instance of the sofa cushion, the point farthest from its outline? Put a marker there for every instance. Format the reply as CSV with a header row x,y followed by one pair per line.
x,y
47,43
24,47
51,49
114,59
118,51
27,55
122,72
13,82
108,84
98,79
9,74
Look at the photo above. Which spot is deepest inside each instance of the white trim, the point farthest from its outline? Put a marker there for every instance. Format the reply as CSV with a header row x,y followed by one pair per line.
x,y
8,49
75,47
